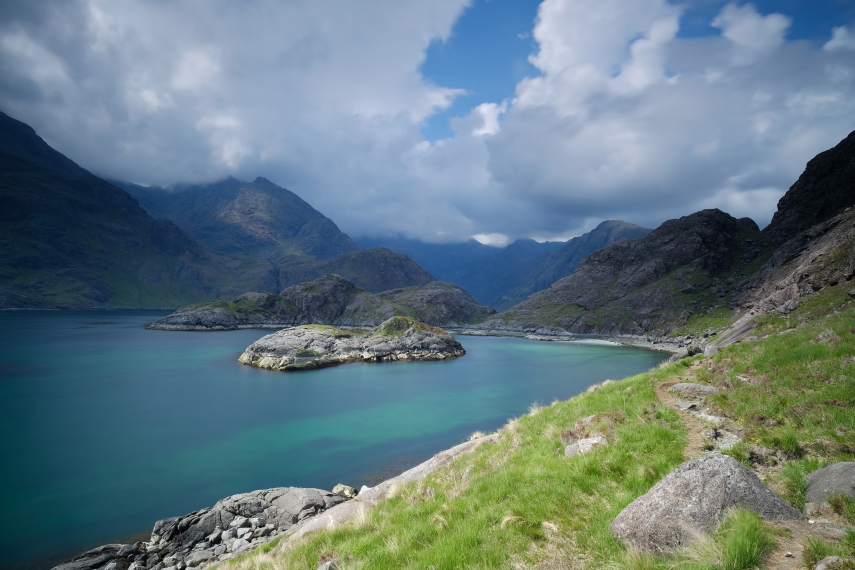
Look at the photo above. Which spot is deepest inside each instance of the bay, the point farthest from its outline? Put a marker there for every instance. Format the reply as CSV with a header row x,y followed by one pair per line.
x,y
108,427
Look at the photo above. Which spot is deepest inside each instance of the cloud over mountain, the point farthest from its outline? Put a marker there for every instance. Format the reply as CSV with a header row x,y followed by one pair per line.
x,y
627,118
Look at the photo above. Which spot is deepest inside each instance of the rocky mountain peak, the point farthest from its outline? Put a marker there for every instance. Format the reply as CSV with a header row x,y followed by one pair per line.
x,y
825,188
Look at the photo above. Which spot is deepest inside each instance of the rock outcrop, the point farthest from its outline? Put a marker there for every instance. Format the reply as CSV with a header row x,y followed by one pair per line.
x,y
315,346
693,500
233,525
331,300
834,479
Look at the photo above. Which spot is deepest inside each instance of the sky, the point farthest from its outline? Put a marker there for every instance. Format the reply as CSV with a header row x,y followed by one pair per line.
x,y
441,120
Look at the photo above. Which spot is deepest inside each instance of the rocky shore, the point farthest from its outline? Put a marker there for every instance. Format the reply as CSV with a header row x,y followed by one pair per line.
x,y
317,346
673,345
243,522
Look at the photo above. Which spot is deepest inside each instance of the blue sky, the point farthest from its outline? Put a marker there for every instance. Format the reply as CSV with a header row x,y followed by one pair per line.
x,y
487,52
444,119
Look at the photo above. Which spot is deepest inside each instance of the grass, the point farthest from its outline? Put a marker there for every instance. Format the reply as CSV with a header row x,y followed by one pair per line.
x,y
519,503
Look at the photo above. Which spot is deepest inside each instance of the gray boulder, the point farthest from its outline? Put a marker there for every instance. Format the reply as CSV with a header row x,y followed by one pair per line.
x,y
694,499
691,390
94,558
345,491
837,478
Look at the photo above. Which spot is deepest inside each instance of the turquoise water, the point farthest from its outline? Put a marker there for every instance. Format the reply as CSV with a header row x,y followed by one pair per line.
x,y
110,427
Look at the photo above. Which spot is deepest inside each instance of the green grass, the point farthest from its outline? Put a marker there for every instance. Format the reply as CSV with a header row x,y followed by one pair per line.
x,y
520,503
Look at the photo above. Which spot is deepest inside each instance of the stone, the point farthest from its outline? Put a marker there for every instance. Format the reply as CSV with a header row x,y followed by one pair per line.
x,y
812,510
329,565
239,522
851,293
214,537
835,563
691,390
789,306
94,558
585,445
242,532
227,535
220,550
238,544
198,557
344,491
693,500
837,478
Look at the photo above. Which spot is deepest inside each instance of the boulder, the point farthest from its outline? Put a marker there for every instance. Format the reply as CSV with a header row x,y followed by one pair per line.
x,y
94,558
585,445
691,390
694,500
837,478
835,563
344,491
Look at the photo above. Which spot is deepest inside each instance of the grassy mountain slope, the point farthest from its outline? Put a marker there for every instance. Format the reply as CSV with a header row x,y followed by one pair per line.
x,y
249,218
520,503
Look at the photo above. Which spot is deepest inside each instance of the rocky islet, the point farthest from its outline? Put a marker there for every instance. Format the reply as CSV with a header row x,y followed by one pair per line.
x,y
312,346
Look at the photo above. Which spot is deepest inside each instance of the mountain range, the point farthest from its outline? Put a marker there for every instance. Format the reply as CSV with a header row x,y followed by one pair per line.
x,y
71,239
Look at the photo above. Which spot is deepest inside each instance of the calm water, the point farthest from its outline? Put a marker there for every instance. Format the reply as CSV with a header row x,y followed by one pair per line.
x,y
109,427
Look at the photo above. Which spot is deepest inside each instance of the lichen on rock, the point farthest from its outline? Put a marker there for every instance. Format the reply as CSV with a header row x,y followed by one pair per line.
x,y
309,347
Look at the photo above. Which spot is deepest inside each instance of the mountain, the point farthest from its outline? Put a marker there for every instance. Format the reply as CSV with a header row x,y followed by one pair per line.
x,y
564,260
374,270
68,238
502,277
330,300
643,285
710,267
257,218
485,271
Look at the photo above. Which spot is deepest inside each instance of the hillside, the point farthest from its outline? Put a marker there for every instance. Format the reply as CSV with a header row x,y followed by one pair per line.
x,y
68,238
708,268
330,300
257,218
374,270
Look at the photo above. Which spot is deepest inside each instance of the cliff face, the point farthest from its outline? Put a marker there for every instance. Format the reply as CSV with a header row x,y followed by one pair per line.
x,y
331,300
825,188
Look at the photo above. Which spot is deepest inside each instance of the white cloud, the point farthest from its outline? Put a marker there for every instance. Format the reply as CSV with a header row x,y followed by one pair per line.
x,y
625,120
745,27
841,39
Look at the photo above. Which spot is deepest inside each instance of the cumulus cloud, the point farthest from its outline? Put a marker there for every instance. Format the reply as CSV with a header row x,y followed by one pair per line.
x,y
666,125
625,120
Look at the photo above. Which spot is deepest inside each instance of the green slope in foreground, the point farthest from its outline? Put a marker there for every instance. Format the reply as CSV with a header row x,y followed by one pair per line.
x,y
519,503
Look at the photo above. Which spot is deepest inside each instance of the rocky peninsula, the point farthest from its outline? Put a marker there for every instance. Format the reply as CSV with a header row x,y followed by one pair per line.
x,y
309,347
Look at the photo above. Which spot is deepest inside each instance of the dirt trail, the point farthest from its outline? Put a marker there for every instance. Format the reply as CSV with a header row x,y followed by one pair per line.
x,y
788,554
